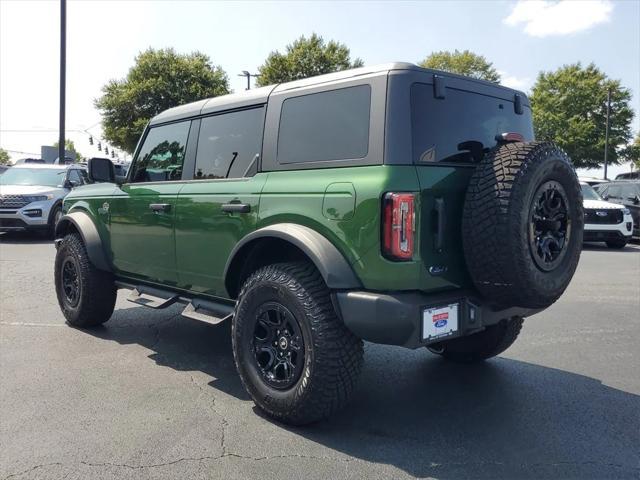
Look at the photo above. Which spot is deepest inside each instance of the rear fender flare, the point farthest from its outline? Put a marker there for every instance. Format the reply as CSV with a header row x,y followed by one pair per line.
x,y
332,265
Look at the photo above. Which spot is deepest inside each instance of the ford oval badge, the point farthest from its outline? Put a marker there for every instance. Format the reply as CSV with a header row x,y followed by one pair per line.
x,y
440,323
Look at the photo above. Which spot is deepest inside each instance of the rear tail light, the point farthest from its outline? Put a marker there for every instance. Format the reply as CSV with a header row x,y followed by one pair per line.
x,y
398,226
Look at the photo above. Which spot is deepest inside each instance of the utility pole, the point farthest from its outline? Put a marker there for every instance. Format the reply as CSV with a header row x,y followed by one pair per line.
x,y
63,77
606,134
245,73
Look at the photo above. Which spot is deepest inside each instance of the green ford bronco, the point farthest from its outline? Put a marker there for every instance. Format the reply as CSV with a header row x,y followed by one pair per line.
x,y
391,204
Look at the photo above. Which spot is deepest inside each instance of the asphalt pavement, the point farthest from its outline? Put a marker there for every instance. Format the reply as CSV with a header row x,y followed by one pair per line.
x,y
153,395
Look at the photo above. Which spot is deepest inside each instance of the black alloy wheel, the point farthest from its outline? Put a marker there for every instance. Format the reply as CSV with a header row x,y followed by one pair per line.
x,y
70,280
549,225
278,346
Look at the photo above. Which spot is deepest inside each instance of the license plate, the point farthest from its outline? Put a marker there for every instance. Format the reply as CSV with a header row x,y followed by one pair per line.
x,y
439,322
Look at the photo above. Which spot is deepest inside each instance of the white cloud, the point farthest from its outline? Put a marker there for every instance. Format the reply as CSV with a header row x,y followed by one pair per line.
x,y
511,81
542,18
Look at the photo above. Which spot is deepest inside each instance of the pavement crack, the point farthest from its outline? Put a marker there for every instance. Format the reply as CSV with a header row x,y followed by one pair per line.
x,y
29,470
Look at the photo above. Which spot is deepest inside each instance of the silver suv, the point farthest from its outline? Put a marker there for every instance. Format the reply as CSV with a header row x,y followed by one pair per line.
x,y
31,195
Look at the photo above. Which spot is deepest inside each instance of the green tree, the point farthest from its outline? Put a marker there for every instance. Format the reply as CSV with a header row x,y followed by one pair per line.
x,y
463,63
570,107
632,152
4,157
159,79
71,147
306,57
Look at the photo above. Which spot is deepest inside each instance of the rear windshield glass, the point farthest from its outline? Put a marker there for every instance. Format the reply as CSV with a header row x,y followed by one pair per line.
x,y
452,128
331,125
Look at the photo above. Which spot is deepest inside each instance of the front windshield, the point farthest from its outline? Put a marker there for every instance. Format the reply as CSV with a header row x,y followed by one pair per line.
x,y
589,193
49,177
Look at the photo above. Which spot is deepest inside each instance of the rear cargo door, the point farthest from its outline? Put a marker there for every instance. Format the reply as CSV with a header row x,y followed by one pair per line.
x,y
452,129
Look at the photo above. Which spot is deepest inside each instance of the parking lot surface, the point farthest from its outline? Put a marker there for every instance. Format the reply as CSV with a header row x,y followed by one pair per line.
x,y
154,395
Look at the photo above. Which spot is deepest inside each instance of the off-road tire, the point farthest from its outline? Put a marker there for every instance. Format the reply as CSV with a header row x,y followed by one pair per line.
x,y
333,355
488,343
497,219
616,244
97,290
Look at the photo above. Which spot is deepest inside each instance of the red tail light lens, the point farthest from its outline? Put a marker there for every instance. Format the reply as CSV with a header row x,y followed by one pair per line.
x,y
398,225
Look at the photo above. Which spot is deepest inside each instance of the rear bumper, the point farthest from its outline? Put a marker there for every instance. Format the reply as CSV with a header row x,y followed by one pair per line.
x,y
396,318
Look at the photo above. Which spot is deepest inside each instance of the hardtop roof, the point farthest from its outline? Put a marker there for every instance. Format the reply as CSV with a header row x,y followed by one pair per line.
x,y
260,95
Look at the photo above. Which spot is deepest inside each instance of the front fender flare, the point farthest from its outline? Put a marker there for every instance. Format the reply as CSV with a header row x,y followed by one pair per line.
x,y
332,265
82,222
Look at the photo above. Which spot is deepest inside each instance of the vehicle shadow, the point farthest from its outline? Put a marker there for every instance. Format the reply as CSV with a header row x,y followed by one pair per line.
x,y
596,247
23,238
427,417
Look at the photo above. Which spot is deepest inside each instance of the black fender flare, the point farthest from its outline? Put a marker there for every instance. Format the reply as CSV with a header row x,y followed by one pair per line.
x,y
332,265
82,222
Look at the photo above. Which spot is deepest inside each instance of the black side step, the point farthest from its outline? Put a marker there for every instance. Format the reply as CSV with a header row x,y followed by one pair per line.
x,y
208,312
198,309
151,298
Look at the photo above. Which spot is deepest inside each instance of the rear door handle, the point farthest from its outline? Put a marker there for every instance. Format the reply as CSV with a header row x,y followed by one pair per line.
x,y
235,207
160,207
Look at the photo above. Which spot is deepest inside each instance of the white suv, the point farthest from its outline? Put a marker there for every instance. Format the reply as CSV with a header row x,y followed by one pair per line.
x,y
604,221
31,195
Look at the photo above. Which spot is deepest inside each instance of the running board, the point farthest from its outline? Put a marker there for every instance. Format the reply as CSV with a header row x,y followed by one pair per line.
x,y
147,298
207,312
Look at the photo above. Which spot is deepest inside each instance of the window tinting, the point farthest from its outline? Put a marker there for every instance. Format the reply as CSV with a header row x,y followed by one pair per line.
x,y
629,191
228,143
331,125
162,154
614,191
441,127
74,176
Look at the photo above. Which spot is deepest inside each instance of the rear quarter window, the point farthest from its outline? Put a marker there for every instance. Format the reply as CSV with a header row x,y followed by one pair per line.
x,y
325,126
440,126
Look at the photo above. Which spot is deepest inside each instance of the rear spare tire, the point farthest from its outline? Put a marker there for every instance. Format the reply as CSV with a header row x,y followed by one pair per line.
x,y
522,224
490,342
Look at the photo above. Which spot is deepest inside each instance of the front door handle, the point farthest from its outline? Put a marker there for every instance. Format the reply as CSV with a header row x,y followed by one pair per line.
x,y
234,207
160,207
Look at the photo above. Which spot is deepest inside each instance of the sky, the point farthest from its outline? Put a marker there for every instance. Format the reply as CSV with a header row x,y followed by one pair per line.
x,y
521,38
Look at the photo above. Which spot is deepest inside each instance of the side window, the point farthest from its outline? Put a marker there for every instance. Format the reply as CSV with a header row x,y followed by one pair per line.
x,y
332,125
162,154
84,176
628,192
228,143
74,176
614,191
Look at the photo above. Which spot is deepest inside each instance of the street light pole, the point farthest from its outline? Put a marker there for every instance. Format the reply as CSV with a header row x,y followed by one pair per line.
x,y
63,79
606,133
245,73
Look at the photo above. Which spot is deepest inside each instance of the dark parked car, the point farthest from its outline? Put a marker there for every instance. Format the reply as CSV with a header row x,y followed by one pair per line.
x,y
629,176
624,192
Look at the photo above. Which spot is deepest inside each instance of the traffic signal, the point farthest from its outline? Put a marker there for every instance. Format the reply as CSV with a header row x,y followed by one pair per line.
x,y
113,153
106,150
99,146
90,140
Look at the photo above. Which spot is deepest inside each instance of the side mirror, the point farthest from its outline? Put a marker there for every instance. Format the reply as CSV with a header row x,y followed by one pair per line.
x,y
68,184
101,170
635,200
